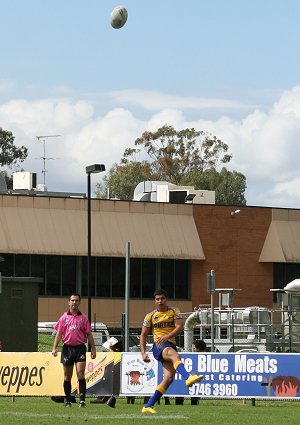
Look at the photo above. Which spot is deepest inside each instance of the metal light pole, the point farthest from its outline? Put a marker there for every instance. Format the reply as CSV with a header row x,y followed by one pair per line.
x,y
127,296
211,287
90,169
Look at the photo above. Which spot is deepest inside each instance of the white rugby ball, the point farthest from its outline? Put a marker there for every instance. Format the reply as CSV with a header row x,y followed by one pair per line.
x,y
118,17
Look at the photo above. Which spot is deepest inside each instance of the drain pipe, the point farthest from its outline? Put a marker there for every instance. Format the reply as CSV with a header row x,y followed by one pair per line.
x,y
189,325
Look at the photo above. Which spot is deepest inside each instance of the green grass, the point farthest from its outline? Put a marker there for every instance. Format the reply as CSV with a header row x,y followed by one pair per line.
x,y
45,342
43,411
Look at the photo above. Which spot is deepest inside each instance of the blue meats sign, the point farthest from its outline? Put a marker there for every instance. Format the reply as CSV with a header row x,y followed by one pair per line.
x,y
270,375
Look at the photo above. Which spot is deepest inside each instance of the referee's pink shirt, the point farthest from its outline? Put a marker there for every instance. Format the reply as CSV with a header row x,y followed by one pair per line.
x,y
74,328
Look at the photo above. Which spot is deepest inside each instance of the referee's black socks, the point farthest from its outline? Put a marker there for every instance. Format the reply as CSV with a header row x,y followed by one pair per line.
x,y
82,389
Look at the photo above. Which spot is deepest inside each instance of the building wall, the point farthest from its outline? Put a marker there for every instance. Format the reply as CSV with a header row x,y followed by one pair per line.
x,y
232,245
107,311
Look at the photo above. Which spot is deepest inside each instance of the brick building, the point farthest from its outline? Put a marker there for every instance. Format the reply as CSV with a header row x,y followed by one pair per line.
x,y
254,249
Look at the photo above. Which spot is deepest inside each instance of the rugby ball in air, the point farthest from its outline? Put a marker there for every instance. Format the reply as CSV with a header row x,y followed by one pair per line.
x,y
118,17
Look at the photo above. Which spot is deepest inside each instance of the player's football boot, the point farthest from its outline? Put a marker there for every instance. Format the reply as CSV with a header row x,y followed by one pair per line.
x,y
149,410
192,379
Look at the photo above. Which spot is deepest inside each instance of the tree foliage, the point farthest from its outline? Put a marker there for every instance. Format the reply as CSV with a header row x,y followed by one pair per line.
x,y
10,154
229,186
177,153
121,180
185,157
8,179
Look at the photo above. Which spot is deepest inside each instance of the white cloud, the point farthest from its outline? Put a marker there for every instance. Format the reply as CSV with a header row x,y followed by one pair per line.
x,y
265,144
151,100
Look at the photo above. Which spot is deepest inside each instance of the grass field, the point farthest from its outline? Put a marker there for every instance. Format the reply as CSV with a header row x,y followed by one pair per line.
x,y
43,411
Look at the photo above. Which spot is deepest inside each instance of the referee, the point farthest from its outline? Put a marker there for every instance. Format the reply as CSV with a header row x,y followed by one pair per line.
x,y
74,329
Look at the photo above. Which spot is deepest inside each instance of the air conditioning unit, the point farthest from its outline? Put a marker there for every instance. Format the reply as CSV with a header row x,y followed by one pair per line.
x,y
184,195
24,180
162,191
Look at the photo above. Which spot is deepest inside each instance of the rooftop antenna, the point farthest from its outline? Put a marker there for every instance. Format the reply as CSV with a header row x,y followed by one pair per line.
x,y
44,157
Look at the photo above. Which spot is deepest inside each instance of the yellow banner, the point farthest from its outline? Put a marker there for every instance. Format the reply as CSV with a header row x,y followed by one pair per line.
x,y
41,374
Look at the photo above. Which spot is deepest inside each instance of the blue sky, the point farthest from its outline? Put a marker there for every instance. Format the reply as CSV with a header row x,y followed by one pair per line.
x,y
231,68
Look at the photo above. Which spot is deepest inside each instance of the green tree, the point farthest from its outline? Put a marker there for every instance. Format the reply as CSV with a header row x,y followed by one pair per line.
x,y
8,179
229,186
10,154
185,157
121,180
177,153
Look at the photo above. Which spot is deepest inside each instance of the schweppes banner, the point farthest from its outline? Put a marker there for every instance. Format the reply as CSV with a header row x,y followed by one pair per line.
x,y
41,374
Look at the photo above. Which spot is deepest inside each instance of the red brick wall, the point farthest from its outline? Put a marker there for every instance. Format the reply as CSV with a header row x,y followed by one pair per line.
x,y
232,245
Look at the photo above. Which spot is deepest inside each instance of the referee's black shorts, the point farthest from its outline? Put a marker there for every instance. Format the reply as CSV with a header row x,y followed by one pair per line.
x,y
71,354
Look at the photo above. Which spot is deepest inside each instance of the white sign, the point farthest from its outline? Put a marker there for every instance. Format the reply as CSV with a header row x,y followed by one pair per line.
x,y
138,377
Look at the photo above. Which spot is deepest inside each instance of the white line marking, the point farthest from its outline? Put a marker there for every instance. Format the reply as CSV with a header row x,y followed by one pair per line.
x,y
96,417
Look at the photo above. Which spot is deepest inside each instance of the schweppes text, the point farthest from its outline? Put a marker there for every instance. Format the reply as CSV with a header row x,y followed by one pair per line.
x,y
14,378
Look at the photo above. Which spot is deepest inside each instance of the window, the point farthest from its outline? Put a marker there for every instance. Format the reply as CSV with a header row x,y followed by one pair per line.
x,y
68,273
148,279
103,287
22,265
65,274
84,290
284,273
181,279
37,269
53,275
167,277
7,265
118,277
135,278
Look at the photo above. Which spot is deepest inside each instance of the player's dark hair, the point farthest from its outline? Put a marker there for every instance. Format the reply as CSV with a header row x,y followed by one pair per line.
x,y
199,344
160,292
75,295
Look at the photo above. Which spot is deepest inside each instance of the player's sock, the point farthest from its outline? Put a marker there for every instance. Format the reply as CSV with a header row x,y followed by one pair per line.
x,y
82,389
179,367
67,389
156,396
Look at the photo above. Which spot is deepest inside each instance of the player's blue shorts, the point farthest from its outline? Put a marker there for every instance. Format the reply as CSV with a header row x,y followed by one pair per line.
x,y
158,349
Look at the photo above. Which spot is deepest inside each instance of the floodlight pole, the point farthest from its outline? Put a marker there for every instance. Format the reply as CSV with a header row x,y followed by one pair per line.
x,y
127,295
90,169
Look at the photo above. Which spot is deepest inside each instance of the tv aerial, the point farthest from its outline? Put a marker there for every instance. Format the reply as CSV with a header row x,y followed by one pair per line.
x,y
44,157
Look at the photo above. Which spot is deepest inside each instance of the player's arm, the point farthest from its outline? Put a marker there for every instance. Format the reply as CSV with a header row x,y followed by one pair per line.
x,y
143,340
178,328
57,340
91,342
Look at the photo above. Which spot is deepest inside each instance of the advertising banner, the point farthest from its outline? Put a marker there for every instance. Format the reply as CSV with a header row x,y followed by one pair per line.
x,y
239,375
267,376
236,375
41,374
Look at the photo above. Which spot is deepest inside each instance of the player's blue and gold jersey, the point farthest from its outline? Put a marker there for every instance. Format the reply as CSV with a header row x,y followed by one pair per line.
x,y
162,322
